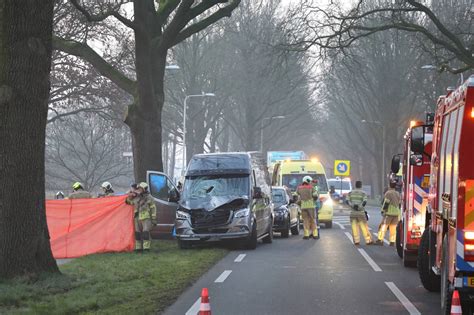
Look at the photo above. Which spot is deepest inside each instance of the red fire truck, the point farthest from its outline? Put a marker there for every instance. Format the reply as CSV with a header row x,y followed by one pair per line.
x,y
415,189
446,253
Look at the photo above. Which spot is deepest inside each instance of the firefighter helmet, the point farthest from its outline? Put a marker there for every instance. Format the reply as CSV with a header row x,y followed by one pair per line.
x,y
143,185
106,186
77,186
307,179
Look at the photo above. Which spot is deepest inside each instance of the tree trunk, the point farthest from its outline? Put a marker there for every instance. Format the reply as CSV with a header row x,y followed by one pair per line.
x,y
25,62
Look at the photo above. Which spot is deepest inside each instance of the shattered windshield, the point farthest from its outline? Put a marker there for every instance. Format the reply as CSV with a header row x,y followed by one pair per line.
x,y
200,187
279,197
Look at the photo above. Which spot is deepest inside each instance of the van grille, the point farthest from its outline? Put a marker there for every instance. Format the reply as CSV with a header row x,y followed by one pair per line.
x,y
204,219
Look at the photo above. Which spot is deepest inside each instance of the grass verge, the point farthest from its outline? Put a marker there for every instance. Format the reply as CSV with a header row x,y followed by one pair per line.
x,y
123,283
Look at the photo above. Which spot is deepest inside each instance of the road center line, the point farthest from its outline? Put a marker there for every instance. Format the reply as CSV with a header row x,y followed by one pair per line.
x,y
240,258
349,236
340,225
403,299
384,240
371,262
223,276
194,310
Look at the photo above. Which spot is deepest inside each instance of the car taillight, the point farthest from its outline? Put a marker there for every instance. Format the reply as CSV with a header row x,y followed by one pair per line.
x,y
469,245
415,231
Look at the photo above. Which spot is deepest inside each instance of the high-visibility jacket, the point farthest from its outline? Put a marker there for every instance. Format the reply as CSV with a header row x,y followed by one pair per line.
x,y
80,194
307,194
144,206
392,198
357,197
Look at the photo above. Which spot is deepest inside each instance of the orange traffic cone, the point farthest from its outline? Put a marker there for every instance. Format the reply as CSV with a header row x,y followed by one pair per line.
x,y
456,304
205,308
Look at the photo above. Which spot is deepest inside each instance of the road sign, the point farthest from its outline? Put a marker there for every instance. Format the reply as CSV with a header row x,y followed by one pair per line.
x,y
342,168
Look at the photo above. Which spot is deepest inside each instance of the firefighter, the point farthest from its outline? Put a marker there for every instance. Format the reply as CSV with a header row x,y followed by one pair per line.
x,y
144,214
307,194
357,199
317,204
391,210
79,192
107,190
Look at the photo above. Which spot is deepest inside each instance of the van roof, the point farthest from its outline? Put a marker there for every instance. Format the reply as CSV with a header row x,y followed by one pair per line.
x,y
219,163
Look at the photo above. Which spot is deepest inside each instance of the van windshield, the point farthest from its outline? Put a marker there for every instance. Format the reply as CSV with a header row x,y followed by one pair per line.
x,y
338,185
200,187
292,181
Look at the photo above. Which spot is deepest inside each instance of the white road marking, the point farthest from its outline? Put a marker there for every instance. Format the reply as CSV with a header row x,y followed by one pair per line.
x,y
194,310
371,262
403,299
240,258
384,240
340,225
349,236
223,276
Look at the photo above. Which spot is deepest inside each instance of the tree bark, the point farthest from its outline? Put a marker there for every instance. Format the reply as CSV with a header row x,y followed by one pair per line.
x,y
25,62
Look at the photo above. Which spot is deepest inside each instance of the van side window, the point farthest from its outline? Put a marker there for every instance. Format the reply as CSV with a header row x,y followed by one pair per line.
x,y
160,187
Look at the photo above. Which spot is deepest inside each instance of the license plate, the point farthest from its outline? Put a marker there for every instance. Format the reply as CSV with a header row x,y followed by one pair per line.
x,y
470,281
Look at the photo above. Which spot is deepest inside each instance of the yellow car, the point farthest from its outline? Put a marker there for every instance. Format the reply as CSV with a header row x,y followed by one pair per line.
x,y
290,174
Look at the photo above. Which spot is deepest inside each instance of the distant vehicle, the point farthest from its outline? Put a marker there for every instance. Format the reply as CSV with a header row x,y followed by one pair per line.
x,y
342,186
287,213
291,173
226,196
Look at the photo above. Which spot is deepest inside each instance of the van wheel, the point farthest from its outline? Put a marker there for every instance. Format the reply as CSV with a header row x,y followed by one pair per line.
x,y
184,244
429,279
398,240
251,243
446,293
269,238
296,229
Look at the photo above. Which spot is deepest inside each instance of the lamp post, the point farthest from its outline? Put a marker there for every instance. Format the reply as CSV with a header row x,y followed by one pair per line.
x,y
261,128
172,67
185,106
376,122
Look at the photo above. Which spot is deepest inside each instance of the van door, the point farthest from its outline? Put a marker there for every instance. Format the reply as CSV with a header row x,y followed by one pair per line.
x,y
163,192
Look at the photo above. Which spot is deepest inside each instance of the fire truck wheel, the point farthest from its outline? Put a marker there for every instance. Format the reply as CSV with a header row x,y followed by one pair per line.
x,y
398,241
446,293
429,279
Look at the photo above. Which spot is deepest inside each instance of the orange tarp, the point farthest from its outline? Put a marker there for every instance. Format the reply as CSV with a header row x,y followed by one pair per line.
x,y
79,227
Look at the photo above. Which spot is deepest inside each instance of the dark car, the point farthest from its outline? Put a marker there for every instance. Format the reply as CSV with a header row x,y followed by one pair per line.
x,y
286,213
226,196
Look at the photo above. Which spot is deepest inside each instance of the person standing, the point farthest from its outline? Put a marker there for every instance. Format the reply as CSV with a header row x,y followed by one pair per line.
x,y
307,194
78,192
357,199
144,216
391,210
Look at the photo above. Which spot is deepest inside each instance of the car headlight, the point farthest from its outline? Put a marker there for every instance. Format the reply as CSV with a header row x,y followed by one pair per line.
x,y
181,215
242,213
328,202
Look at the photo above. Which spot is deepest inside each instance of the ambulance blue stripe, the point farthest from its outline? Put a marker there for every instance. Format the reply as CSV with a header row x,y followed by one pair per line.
x,y
418,197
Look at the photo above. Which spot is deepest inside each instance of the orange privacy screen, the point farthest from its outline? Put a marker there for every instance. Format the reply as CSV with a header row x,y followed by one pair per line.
x,y
79,227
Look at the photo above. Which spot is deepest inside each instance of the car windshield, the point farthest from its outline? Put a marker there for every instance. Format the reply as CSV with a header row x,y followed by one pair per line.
x,y
198,187
292,181
279,197
339,185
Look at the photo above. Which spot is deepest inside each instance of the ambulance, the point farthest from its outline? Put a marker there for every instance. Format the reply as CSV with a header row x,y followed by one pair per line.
x,y
415,182
290,173
446,253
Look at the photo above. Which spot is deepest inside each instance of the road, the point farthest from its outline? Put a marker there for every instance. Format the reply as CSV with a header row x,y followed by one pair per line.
x,y
327,276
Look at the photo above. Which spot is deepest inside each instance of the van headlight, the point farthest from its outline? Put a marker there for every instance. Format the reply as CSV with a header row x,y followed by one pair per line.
x,y
242,213
181,215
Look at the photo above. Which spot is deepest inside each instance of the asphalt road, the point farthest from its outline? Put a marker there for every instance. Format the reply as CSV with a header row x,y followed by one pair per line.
x,y
327,276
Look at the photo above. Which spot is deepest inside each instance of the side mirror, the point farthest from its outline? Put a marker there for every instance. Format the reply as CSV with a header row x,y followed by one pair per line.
x,y
395,164
418,140
174,196
257,193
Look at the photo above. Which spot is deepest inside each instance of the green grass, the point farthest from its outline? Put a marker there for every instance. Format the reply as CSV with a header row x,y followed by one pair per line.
x,y
124,283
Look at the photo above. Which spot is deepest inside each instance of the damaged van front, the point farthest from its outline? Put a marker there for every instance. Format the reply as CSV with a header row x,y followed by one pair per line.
x,y
221,201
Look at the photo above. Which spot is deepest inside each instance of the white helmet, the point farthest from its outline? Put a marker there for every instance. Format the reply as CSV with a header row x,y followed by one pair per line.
x,y
106,185
143,185
307,179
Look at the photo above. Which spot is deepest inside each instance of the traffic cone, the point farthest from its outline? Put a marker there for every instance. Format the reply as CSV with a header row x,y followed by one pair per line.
x,y
205,308
456,304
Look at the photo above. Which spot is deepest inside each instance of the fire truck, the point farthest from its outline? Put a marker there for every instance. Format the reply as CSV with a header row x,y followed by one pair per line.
x,y
415,189
446,252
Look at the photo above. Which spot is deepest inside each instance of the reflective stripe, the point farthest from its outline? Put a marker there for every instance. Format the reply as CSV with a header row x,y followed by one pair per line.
x,y
205,307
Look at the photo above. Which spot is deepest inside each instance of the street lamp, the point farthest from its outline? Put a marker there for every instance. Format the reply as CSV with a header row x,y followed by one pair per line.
x,y
433,67
185,106
172,67
376,122
261,128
